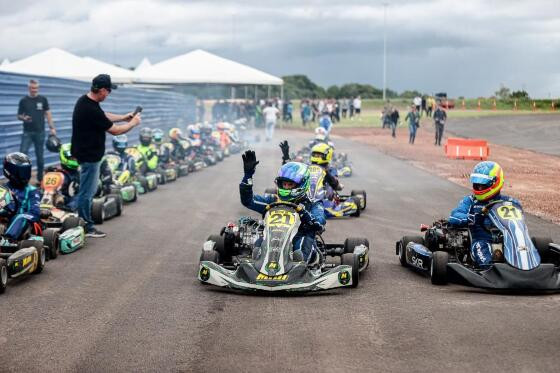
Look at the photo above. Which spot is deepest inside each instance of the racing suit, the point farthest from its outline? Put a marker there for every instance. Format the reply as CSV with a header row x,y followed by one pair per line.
x,y
326,123
312,218
70,186
127,162
149,162
469,214
22,212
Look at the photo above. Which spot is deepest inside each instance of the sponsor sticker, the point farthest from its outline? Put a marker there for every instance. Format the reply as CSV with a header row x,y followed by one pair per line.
x,y
344,277
263,277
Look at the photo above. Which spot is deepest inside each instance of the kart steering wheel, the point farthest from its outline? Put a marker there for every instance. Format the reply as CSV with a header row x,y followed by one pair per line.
x,y
282,203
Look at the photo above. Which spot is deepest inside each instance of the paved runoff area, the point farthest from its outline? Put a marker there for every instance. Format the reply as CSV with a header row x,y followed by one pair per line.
x,y
131,302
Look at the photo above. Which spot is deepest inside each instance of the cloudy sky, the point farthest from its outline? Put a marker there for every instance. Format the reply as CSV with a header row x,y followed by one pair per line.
x,y
466,47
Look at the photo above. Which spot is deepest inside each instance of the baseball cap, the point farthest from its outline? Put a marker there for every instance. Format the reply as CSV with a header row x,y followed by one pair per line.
x,y
103,81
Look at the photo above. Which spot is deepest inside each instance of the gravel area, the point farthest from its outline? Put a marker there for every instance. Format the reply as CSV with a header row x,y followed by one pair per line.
x,y
532,177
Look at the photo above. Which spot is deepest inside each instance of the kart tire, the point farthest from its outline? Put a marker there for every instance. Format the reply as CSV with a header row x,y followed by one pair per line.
x,y
3,276
358,210
360,192
354,262
144,184
70,222
163,178
210,256
351,242
404,243
271,191
50,239
98,210
438,267
40,250
118,199
541,244
223,247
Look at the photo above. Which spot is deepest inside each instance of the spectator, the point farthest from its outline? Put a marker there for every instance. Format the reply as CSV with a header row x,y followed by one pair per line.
x,y
351,101
314,111
344,107
32,110
89,123
289,112
429,106
413,118
271,114
305,112
336,111
440,116
417,102
423,106
394,121
386,115
358,107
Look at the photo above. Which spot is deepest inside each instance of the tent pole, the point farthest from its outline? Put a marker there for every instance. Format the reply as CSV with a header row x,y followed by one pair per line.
x,y
233,92
269,92
256,94
282,92
246,91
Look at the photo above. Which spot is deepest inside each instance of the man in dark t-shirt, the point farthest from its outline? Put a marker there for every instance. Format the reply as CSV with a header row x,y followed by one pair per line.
x,y
89,124
32,110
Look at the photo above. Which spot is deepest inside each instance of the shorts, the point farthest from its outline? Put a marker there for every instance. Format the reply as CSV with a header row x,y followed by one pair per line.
x,y
358,111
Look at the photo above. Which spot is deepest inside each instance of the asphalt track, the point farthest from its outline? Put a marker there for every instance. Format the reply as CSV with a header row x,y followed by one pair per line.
x,y
540,133
130,302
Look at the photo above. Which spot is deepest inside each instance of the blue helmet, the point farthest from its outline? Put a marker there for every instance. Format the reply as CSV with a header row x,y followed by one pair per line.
x,y
157,135
293,173
120,143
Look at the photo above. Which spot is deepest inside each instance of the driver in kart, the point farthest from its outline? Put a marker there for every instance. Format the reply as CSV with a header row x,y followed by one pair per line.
x,y
487,180
293,183
23,211
71,183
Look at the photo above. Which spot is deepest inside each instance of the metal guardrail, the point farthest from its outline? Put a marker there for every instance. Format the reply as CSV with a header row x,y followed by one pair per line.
x,y
162,109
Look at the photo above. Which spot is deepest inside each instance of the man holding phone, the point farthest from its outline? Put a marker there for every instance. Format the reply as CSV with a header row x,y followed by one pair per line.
x,y
32,110
89,124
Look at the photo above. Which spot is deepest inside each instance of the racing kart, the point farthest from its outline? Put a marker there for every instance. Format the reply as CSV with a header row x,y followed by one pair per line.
x,y
258,256
27,256
106,206
123,182
63,230
342,165
149,180
520,262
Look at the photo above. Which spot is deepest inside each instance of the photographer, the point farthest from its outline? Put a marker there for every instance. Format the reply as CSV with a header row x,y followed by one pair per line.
x,y
89,124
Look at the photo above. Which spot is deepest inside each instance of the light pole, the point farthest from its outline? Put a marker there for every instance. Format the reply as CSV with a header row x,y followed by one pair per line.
x,y
384,50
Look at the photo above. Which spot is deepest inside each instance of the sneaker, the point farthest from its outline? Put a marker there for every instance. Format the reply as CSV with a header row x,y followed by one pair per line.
x,y
95,233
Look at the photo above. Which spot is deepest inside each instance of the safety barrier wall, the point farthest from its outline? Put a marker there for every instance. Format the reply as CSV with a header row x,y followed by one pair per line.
x,y
162,109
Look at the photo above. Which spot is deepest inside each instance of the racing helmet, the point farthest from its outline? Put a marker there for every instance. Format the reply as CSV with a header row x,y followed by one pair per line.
x,y
145,136
66,159
17,169
53,143
487,180
294,173
120,143
157,136
320,134
321,154
175,134
206,128
193,131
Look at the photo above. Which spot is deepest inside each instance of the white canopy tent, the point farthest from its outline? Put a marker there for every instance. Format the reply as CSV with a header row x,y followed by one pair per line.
x,y
200,67
143,64
5,62
59,63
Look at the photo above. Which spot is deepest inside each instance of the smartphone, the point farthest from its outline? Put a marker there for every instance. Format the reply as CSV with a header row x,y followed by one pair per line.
x,y
137,110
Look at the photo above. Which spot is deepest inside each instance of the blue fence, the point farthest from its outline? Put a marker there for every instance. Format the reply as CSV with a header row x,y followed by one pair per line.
x,y
162,109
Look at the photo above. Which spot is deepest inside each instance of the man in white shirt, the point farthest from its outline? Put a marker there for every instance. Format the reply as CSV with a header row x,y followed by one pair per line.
x,y
358,107
270,114
417,102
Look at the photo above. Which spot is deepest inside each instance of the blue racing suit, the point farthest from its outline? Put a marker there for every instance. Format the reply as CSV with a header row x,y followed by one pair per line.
x,y
312,219
23,211
326,123
469,214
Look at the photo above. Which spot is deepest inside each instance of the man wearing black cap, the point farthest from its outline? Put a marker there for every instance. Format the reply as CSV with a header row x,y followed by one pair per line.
x,y
89,124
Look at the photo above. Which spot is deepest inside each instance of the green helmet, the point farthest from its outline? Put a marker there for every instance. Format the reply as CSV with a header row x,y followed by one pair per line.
x,y
295,173
66,159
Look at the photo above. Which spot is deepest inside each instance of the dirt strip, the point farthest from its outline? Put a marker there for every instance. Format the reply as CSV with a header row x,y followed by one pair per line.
x,y
533,178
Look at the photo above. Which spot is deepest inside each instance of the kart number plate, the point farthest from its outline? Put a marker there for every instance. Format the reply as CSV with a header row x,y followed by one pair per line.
x,y
510,213
281,218
52,180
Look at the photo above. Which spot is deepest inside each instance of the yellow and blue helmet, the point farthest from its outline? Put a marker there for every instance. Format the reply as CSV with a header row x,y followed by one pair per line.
x,y
487,179
293,181
321,153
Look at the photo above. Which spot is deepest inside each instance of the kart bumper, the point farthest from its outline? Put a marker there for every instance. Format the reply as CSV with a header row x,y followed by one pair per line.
x,y
71,240
246,278
504,276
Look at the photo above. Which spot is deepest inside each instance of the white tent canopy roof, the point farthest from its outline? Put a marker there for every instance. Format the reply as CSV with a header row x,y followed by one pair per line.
x,y
5,62
202,67
59,63
143,64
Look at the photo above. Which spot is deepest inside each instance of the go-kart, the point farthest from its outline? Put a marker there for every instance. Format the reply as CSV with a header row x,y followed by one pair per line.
x,y
342,165
20,258
148,180
63,230
258,256
124,182
106,206
519,262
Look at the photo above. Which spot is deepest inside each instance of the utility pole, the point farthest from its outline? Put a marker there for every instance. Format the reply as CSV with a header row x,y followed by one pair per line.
x,y
385,51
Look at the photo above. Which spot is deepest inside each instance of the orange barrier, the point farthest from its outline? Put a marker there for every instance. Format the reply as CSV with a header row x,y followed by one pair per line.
x,y
466,148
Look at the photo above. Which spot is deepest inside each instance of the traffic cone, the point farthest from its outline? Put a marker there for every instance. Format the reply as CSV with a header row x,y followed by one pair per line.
x,y
515,105
534,106
494,105
463,104
478,104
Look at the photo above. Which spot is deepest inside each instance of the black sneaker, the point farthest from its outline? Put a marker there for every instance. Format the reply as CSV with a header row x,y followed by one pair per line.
x,y
95,233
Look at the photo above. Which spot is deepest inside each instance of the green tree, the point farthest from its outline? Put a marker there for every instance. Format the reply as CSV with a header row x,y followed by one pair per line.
x,y
503,93
300,86
410,94
520,95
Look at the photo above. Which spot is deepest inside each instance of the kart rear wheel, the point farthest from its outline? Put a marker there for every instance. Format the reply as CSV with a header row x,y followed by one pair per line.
x,y
210,256
3,276
353,261
71,221
351,242
50,239
541,244
144,183
118,199
404,243
438,268
363,194
98,210
222,246
358,209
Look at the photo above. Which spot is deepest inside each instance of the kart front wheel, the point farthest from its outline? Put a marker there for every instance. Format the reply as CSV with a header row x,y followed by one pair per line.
x,y
98,210
50,239
363,194
541,244
3,276
210,256
357,202
438,268
71,221
353,261
351,242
